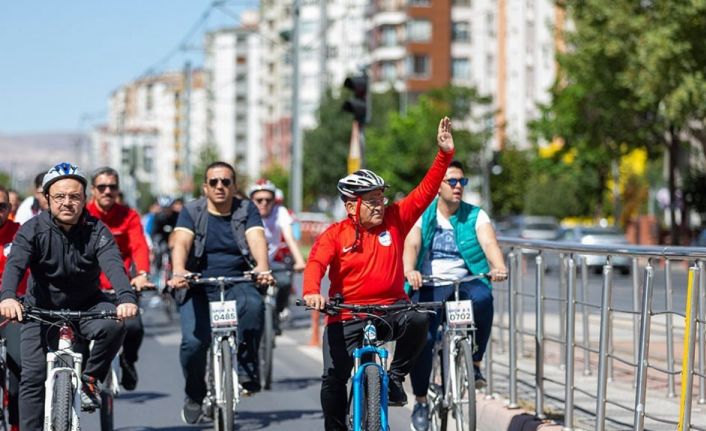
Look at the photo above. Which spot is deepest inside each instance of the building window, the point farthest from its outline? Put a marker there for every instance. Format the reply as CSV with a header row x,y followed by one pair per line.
x,y
149,102
389,71
461,3
461,69
389,36
460,31
419,30
332,52
419,66
418,2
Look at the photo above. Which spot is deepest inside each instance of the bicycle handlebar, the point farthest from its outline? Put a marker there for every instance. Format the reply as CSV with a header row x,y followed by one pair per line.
x,y
429,279
41,313
336,305
195,279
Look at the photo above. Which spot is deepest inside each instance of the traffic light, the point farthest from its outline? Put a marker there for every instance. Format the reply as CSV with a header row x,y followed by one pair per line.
x,y
358,105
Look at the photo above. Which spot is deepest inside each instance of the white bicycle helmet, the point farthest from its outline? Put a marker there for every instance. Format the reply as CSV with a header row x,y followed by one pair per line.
x,y
359,182
262,185
63,171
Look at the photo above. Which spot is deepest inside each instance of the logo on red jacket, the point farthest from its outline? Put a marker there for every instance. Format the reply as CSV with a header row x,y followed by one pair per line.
x,y
6,249
385,238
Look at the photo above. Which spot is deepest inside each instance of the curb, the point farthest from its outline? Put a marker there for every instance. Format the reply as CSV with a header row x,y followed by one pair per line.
x,y
493,414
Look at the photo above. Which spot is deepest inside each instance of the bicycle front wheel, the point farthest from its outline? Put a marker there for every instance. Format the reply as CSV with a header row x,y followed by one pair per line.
x,y
464,388
267,346
62,400
226,413
438,412
371,386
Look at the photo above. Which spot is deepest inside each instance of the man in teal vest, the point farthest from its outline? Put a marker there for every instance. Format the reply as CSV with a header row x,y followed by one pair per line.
x,y
452,239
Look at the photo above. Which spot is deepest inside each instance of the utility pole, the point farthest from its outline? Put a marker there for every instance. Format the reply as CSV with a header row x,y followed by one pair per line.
x,y
323,49
296,185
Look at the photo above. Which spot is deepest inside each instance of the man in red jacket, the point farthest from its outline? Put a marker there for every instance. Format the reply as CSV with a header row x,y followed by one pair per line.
x,y
124,223
10,330
364,256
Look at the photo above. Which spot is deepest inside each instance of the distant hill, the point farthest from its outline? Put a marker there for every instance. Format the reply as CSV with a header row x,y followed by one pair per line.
x,y
23,156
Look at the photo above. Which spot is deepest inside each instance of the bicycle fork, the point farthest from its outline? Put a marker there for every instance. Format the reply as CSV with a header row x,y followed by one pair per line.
x,y
359,373
216,359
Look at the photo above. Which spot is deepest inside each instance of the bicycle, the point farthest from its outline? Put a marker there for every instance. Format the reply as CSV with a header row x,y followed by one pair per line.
x,y
4,382
63,385
223,389
454,391
267,342
368,395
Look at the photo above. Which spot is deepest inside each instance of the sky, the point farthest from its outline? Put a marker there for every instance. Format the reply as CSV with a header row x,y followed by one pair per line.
x,y
61,59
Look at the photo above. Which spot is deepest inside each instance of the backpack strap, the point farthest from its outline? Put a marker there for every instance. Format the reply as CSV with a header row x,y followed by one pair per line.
x,y
238,221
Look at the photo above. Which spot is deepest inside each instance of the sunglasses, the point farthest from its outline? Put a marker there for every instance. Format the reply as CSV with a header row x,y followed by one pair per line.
x,y
213,182
263,200
453,181
4,206
101,187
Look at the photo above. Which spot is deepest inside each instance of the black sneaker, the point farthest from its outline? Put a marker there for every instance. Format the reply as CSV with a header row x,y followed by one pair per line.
x,y
191,412
129,374
249,385
480,380
420,417
396,396
90,399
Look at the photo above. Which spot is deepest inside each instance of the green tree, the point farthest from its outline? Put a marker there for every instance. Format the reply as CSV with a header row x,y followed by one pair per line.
x,y
207,155
403,146
278,175
508,188
5,179
633,76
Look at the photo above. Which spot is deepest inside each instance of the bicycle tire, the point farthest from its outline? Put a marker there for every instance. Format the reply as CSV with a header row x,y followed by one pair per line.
x,y
372,393
465,410
106,410
62,401
226,413
266,350
438,412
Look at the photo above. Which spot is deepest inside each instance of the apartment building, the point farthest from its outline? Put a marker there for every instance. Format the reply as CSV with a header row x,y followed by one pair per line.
x,y
333,44
505,48
233,94
146,136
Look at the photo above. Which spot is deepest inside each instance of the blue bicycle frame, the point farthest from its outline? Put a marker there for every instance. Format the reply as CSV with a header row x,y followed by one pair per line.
x,y
359,371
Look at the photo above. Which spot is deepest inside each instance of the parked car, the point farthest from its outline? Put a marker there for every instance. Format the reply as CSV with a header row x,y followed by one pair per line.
x,y
597,235
530,227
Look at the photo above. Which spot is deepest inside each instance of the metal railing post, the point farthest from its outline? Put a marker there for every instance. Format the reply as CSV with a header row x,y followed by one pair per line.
x,y
521,302
636,309
687,378
562,311
603,347
512,336
539,339
570,334
585,318
702,333
500,313
669,327
643,348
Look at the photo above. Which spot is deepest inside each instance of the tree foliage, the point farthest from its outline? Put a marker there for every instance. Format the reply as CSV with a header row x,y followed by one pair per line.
x,y
632,77
402,147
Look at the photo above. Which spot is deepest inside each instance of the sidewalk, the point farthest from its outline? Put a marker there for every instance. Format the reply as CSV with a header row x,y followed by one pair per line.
x,y
494,415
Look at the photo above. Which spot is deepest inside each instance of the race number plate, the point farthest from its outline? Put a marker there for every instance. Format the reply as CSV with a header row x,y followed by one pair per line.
x,y
224,315
459,313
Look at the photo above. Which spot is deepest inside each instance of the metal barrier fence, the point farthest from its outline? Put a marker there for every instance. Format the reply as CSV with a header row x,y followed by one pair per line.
x,y
568,304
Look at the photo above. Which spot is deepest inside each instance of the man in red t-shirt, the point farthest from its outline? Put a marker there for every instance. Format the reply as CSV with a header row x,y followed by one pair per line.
x,y
363,254
11,330
125,225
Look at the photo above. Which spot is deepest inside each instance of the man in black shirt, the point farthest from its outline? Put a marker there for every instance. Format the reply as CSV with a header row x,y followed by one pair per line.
x,y
65,249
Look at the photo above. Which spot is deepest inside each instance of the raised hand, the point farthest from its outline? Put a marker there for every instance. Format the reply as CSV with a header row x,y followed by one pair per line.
x,y
444,139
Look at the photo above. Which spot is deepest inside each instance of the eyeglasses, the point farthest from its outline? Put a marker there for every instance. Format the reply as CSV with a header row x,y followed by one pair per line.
x,y
453,181
375,202
60,198
101,187
213,182
4,206
261,200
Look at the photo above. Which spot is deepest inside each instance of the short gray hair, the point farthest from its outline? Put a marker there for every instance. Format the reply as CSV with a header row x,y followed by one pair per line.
x,y
105,170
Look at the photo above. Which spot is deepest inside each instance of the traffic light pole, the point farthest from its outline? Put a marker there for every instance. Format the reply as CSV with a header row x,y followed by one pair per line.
x,y
296,185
